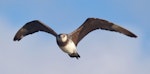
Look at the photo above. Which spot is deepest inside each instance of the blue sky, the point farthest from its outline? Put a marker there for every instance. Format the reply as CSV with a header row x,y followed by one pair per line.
x,y
102,52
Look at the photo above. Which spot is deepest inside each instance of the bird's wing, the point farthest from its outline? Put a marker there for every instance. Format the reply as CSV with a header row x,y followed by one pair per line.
x,y
32,27
94,23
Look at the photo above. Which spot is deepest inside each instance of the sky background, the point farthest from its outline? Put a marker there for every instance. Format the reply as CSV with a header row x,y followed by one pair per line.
x,y
102,52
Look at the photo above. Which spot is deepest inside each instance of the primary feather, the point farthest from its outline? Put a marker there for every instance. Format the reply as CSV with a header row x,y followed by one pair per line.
x,y
32,27
93,24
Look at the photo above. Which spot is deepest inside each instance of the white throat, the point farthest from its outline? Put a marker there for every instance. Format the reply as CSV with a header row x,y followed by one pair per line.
x,y
69,46
64,39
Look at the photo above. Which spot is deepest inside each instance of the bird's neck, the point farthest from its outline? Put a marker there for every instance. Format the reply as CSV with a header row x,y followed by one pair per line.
x,y
61,43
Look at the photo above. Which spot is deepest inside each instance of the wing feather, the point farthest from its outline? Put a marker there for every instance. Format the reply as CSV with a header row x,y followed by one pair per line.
x,y
32,27
94,23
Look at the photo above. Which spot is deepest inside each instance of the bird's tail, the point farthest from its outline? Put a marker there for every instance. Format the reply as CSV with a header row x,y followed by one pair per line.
x,y
74,55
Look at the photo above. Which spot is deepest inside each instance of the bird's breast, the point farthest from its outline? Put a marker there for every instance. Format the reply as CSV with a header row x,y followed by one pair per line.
x,y
69,48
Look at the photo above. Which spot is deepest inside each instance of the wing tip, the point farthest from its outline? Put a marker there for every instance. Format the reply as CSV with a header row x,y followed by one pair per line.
x,y
16,39
132,35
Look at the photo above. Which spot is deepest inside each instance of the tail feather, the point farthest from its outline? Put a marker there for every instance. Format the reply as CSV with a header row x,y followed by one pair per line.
x,y
74,55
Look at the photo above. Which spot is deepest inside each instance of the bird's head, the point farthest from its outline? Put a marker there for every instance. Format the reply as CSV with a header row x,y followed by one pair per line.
x,y
62,37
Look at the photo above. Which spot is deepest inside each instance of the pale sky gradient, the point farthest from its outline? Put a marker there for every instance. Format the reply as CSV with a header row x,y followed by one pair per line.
x,y
102,52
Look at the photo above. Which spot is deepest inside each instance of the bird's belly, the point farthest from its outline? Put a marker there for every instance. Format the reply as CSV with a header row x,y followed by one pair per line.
x,y
69,48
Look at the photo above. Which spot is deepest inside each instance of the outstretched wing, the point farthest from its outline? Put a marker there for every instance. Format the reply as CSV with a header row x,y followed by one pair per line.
x,y
32,27
94,23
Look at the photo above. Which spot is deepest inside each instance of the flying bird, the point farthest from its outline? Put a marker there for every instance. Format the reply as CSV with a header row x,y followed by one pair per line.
x,y
68,42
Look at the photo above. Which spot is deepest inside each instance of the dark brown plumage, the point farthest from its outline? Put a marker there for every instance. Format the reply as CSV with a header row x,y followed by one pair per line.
x,y
69,42
89,25
94,23
32,27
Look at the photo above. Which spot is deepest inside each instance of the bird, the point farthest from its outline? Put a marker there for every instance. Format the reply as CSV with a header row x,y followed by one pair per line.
x,y
68,42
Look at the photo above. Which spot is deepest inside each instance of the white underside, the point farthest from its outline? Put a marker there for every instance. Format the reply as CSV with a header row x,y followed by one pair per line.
x,y
69,48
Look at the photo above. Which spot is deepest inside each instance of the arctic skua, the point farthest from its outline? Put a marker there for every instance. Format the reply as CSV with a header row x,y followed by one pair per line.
x,y
69,42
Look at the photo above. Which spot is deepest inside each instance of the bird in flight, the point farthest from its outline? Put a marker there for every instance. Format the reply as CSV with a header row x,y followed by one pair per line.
x,y
68,42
